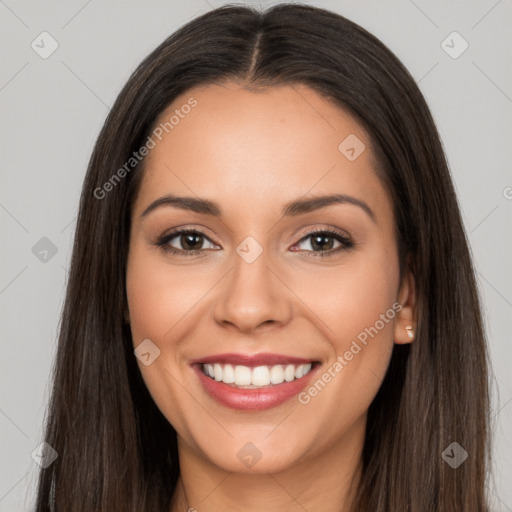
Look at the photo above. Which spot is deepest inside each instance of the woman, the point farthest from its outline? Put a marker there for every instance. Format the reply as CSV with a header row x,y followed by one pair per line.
x,y
271,302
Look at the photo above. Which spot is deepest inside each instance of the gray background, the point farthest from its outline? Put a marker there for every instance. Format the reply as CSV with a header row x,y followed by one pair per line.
x,y
53,109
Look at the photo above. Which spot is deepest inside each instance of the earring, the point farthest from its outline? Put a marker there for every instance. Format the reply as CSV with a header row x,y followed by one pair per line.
x,y
409,330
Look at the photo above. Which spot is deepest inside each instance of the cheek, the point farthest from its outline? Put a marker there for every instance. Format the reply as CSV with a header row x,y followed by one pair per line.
x,y
157,302
158,296
350,298
366,295
369,305
357,304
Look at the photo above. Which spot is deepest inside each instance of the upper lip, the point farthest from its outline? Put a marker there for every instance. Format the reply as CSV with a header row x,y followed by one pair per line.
x,y
251,360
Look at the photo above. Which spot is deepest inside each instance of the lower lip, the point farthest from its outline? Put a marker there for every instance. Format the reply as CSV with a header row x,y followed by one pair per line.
x,y
252,399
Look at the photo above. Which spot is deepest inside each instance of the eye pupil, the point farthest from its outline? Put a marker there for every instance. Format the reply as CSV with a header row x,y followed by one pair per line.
x,y
316,242
187,241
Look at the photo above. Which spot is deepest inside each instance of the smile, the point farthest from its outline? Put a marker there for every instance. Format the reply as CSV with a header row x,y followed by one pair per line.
x,y
253,382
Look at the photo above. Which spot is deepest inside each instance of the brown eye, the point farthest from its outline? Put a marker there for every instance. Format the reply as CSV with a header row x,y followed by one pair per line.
x,y
323,242
184,241
191,241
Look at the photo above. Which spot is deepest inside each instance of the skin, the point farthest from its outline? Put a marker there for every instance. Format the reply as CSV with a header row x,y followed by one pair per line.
x,y
252,152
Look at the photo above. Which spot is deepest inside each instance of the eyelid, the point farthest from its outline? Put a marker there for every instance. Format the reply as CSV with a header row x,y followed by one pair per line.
x,y
178,230
163,240
324,229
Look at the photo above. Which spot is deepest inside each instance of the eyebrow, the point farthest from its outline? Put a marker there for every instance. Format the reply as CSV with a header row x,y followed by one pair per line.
x,y
291,209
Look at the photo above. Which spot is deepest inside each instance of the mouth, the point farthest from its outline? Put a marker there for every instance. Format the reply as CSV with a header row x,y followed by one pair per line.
x,y
254,382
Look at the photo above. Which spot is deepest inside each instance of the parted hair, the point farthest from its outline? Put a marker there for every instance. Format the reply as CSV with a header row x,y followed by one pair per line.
x,y
116,451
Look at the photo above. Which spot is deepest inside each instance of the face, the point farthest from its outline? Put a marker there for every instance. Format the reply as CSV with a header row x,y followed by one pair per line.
x,y
268,281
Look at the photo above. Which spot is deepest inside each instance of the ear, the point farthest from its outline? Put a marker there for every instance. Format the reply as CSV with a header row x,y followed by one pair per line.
x,y
405,322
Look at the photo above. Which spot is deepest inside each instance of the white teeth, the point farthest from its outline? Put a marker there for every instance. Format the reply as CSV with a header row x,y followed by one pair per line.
x,y
242,376
228,374
217,371
259,376
302,370
289,373
277,374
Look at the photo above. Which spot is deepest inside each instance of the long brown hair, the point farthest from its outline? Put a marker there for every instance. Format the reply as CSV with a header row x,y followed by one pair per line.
x,y
116,451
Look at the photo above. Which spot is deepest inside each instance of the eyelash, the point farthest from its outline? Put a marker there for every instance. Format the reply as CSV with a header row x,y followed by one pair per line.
x,y
346,242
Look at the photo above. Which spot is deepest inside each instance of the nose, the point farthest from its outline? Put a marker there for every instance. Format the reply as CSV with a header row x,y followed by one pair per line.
x,y
253,297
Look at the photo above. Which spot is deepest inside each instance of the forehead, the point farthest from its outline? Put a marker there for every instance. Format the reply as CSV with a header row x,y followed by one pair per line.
x,y
249,149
